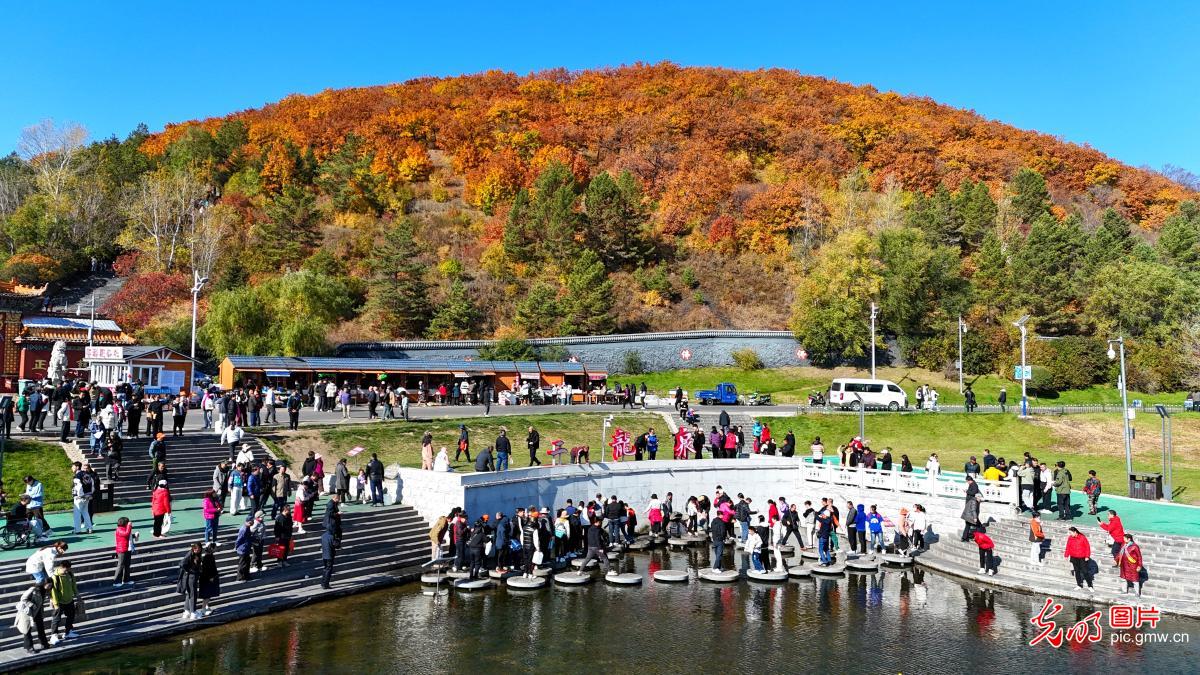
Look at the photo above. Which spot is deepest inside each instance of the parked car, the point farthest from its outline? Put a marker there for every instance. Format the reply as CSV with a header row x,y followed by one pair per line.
x,y
871,394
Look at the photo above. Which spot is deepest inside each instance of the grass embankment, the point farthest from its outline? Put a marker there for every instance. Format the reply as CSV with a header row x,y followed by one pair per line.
x,y
793,385
44,461
1091,441
400,442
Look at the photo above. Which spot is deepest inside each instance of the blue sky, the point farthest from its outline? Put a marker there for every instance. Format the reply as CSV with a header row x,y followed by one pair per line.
x,y
1115,75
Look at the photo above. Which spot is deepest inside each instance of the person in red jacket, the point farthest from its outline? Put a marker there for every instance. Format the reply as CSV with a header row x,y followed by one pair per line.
x,y
987,560
160,507
1079,552
1130,560
1115,530
125,537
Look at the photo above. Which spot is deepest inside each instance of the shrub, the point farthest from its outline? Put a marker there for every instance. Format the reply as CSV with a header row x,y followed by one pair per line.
x,y
634,365
126,264
747,359
553,353
508,349
689,278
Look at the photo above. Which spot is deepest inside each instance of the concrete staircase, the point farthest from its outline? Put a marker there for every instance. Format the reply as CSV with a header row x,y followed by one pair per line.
x,y
1170,561
190,460
378,546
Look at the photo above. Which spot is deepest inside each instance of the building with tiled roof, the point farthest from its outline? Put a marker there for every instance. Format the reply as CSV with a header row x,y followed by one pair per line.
x,y
38,333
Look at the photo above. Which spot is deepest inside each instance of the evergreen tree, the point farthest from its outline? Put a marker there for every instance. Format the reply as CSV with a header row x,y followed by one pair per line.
x,y
935,216
457,318
1179,240
1111,241
553,211
992,280
1045,273
346,176
615,220
233,276
290,231
520,235
1030,198
976,211
833,300
921,284
398,296
588,305
538,313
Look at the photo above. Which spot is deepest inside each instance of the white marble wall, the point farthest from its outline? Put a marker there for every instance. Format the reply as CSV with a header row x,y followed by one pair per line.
x,y
759,478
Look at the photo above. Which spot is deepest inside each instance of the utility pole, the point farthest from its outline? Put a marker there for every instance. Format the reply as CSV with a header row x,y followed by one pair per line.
x,y
874,313
92,313
196,288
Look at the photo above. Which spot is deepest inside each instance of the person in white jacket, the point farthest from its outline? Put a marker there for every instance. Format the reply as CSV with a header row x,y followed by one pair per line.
x,y
41,564
933,467
754,547
245,456
918,522
80,496
232,436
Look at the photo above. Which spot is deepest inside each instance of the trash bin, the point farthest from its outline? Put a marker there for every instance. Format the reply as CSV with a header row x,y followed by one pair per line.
x,y
105,496
1145,486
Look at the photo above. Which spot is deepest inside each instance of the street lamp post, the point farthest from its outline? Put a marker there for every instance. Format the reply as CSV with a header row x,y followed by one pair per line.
x,y
196,288
1120,342
874,313
1020,323
962,328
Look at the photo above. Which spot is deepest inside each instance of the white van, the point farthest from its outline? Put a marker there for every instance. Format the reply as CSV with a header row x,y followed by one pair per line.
x,y
874,394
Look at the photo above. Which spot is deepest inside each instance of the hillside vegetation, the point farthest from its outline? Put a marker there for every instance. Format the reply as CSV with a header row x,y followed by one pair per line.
x,y
634,198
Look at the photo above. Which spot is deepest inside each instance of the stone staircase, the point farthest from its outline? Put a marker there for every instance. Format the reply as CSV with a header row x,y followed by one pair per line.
x,y
191,459
379,546
1170,561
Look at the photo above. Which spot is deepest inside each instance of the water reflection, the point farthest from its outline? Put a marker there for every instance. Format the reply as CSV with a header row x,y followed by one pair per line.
x,y
890,621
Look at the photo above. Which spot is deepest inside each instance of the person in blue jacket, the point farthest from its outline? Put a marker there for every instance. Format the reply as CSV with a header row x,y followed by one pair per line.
x,y
651,444
862,530
875,524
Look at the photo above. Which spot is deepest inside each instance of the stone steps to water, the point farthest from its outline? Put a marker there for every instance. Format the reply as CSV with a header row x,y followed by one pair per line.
x,y
190,460
377,544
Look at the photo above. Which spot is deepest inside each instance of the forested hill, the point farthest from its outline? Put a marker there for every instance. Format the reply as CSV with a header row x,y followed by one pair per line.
x,y
642,197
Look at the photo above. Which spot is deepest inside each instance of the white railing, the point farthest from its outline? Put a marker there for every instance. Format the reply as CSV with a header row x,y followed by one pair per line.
x,y
941,485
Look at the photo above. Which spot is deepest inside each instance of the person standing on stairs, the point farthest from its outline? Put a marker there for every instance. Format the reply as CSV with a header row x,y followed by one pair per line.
x,y
1116,531
283,536
987,559
63,593
243,547
82,487
1079,551
124,537
329,546
232,436
341,479
1132,566
970,514
160,508
31,612
1036,537
210,579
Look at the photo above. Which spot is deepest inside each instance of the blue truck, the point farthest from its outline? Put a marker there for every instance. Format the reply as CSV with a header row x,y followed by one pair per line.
x,y
725,394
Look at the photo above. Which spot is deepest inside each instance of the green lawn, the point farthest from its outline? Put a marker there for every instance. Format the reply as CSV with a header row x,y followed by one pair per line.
x,y
400,442
793,385
1083,441
45,461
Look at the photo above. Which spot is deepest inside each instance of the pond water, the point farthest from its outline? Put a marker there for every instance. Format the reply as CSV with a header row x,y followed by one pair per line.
x,y
896,621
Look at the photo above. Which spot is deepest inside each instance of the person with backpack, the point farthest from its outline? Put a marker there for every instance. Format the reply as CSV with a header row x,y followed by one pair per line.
x,y
1036,536
31,613
987,559
83,485
1091,488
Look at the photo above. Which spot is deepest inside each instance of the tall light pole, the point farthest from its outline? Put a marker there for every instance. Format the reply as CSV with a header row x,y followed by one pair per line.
x,y
1120,342
874,313
196,288
1020,323
92,325
962,328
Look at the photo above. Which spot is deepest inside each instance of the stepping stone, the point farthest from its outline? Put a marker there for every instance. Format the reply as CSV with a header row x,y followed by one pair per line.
x,y
833,570
721,576
458,575
671,576
771,576
578,562
433,579
657,539
862,565
800,572
695,538
525,583
543,571
573,578
502,575
810,555
681,543
641,545
624,579
472,584
897,559
786,549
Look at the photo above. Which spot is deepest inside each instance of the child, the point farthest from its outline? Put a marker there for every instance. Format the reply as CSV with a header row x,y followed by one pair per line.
x,y
754,546
363,497
986,557
1092,489
63,592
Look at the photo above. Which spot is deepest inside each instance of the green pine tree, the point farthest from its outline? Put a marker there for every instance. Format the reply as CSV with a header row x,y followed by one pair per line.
x,y
1179,239
975,211
290,231
616,221
398,296
539,313
1045,273
588,305
935,216
1111,241
1030,197
520,235
553,212
992,280
457,318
